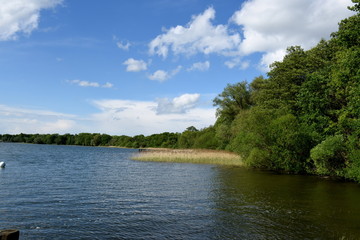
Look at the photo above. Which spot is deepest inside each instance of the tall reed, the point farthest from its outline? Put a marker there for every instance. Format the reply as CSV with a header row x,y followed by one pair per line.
x,y
189,156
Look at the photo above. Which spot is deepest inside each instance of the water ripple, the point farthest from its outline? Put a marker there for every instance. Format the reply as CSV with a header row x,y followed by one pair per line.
x,y
70,192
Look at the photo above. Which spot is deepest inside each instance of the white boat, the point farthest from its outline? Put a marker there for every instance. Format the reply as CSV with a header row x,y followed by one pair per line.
x,y
2,164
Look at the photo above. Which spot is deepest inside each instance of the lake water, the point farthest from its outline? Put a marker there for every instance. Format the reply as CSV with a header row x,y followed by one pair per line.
x,y
73,192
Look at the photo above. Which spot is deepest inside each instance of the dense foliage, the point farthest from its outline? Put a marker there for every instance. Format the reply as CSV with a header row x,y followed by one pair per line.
x,y
302,118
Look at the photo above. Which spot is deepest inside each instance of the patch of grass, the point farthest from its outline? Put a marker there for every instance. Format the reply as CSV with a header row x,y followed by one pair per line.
x,y
189,156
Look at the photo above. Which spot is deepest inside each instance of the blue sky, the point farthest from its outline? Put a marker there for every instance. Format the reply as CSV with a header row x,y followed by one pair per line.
x,y
141,66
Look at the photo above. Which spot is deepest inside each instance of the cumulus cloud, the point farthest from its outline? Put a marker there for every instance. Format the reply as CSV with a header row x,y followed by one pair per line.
x,y
161,75
179,104
133,65
90,84
200,66
272,26
198,36
267,27
140,117
18,16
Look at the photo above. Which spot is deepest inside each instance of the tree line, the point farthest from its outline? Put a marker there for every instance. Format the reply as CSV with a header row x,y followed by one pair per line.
x,y
190,138
303,117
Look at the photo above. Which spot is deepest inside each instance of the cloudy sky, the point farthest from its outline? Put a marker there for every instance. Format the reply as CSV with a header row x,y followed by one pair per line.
x,y
141,67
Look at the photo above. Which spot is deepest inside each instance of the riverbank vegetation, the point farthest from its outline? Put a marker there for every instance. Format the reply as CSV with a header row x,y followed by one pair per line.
x,y
303,117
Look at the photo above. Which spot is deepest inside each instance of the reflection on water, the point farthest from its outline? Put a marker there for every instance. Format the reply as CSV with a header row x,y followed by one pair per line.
x,y
265,205
69,192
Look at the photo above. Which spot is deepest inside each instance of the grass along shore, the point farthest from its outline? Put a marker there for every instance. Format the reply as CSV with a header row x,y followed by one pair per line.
x,y
198,156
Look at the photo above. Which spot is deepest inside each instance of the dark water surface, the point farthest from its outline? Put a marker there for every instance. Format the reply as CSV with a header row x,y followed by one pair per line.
x,y
71,192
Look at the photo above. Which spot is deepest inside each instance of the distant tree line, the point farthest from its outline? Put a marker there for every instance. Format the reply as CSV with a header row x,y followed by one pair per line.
x,y
304,117
190,138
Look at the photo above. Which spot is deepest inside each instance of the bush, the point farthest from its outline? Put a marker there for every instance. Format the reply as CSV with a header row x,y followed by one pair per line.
x,y
290,144
353,170
329,155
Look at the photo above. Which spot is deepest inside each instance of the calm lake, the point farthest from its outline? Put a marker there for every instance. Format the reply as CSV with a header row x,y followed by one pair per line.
x,y
73,192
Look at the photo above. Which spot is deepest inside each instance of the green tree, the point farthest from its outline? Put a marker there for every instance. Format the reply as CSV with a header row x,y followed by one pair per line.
x,y
356,7
187,138
206,139
83,139
233,99
192,129
138,141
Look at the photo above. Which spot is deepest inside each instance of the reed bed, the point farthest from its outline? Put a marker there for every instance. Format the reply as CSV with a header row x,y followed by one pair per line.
x,y
189,156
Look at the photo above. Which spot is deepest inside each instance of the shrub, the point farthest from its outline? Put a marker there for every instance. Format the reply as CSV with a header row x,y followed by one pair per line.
x,y
329,155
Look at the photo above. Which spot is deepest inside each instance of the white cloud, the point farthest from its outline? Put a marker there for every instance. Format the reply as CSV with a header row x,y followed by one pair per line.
x,y
18,16
179,104
176,70
21,120
90,84
237,62
270,57
268,27
115,117
161,75
85,83
199,36
123,45
140,117
133,65
272,26
200,66
41,126
58,126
